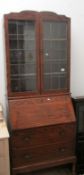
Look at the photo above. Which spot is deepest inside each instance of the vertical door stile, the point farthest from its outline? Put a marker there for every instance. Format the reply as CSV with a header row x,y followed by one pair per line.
x,y
41,61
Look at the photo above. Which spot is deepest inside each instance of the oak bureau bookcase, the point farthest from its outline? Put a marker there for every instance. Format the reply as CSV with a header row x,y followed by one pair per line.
x,y
41,115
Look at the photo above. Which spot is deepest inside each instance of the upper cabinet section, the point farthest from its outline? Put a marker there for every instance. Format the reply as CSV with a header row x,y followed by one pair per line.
x,y
37,52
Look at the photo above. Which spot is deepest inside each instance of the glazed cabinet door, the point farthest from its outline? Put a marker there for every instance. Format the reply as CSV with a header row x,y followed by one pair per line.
x,y
55,58
38,53
22,53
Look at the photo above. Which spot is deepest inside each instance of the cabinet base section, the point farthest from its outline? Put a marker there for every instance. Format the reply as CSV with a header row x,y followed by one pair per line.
x,y
43,165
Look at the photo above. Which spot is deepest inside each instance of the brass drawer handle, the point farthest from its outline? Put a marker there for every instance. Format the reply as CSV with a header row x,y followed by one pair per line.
x,y
27,157
26,139
62,133
62,150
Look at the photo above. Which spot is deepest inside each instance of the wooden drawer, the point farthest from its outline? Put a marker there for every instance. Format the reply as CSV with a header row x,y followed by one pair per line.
x,y
3,148
43,135
4,157
4,166
22,157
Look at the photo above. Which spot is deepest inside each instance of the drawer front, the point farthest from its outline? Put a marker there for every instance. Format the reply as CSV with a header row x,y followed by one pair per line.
x,y
3,148
43,135
3,162
4,166
23,157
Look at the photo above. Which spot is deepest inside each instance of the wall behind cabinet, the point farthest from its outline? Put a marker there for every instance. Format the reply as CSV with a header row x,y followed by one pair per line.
x,y
73,9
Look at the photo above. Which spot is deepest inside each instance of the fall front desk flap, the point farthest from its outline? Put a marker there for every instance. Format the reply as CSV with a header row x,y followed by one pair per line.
x,y
42,111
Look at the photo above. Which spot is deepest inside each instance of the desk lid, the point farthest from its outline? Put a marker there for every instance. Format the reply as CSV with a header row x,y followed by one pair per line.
x,y
42,111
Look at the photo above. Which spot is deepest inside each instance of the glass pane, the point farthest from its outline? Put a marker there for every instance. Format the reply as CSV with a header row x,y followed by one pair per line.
x,y
23,83
55,55
53,29
12,27
22,43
